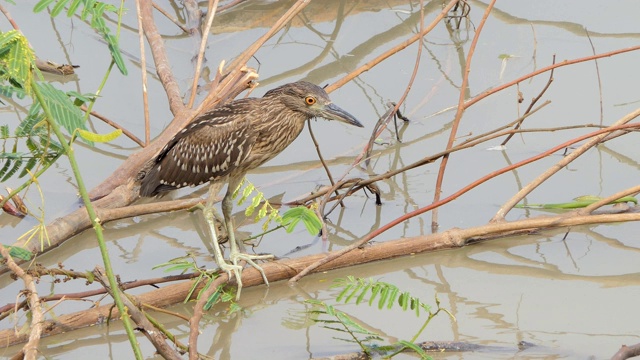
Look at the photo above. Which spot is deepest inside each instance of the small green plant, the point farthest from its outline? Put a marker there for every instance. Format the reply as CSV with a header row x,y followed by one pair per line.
x,y
288,220
188,263
577,203
383,294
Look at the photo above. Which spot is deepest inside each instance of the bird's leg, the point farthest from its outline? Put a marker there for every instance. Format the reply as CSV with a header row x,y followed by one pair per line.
x,y
209,215
235,255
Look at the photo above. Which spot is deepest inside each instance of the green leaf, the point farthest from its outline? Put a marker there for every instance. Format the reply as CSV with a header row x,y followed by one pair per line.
x,y
18,253
392,297
101,138
301,213
57,9
88,7
414,347
213,299
579,202
62,108
16,58
29,167
12,170
73,7
41,5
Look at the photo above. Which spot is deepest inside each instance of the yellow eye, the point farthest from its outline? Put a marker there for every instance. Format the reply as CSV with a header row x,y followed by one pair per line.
x,y
310,100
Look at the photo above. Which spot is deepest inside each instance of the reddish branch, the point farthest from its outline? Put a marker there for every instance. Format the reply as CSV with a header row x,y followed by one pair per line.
x,y
460,110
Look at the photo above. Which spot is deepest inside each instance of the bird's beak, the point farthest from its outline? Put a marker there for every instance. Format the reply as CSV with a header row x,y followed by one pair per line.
x,y
334,112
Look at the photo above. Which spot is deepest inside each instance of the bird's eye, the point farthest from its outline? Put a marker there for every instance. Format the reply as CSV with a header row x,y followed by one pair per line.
x,y
310,100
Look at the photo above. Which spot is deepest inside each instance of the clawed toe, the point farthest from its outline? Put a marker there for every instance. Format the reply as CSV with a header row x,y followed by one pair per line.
x,y
235,257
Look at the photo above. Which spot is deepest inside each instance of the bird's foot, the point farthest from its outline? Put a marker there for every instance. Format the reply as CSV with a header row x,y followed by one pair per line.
x,y
238,256
234,269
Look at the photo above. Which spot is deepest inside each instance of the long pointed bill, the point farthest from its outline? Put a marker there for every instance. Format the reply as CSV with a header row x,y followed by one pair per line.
x,y
334,112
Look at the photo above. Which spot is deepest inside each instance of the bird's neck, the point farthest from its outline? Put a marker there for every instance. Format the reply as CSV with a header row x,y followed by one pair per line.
x,y
275,132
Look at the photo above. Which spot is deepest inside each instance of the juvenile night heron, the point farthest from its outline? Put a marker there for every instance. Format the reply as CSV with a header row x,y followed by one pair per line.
x,y
223,144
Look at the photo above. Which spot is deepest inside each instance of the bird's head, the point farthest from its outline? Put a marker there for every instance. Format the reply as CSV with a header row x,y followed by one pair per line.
x,y
313,101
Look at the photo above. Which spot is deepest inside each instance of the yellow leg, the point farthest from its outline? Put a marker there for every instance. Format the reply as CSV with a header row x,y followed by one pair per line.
x,y
235,255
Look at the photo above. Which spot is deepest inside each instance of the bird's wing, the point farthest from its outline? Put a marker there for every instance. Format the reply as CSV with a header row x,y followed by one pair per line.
x,y
207,149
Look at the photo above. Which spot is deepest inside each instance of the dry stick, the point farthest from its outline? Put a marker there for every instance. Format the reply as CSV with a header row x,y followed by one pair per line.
x,y
627,352
30,349
229,5
326,169
170,17
12,307
143,71
502,212
368,66
593,50
533,102
9,17
416,66
380,126
452,197
163,68
145,209
144,326
115,125
460,110
213,5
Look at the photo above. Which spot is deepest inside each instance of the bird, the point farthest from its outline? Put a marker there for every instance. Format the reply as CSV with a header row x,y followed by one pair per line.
x,y
222,144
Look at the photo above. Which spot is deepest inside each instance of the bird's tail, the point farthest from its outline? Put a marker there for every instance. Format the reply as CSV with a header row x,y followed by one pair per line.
x,y
148,178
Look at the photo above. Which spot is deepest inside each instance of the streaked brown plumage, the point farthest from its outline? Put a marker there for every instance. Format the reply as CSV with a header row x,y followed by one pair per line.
x,y
232,139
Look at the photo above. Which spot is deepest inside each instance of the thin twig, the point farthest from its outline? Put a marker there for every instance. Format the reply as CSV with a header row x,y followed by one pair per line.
x,y
158,50
143,72
460,110
115,125
9,308
533,102
213,5
170,17
324,164
595,62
